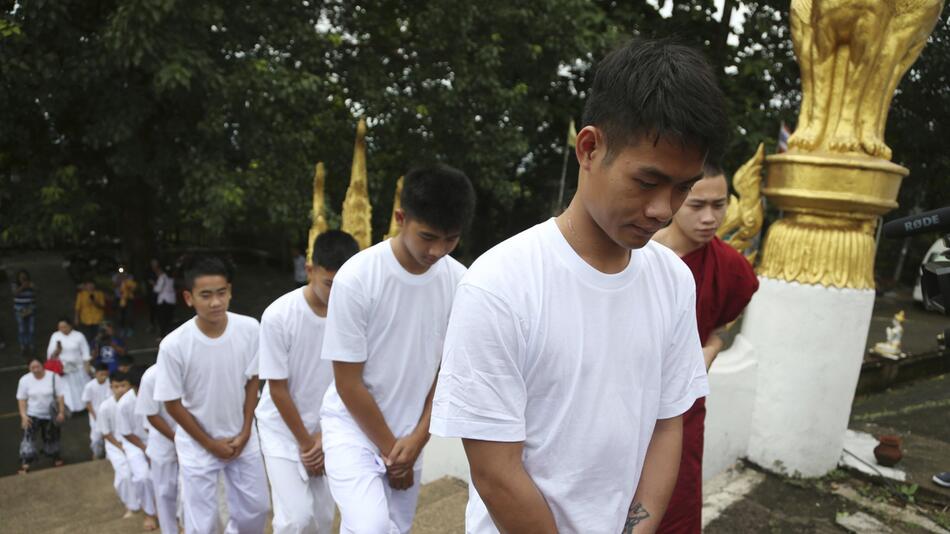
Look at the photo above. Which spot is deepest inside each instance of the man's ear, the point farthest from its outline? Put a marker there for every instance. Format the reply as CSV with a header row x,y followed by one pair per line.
x,y
590,144
400,217
189,298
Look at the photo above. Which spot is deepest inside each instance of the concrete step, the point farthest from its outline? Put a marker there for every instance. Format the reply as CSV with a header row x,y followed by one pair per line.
x,y
79,499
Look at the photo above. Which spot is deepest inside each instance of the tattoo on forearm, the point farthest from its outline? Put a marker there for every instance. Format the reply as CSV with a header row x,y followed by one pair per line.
x,y
635,516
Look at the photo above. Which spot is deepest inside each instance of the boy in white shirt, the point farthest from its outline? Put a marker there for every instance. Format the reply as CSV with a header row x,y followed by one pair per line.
x,y
288,415
163,462
131,426
115,447
93,393
385,325
572,350
208,381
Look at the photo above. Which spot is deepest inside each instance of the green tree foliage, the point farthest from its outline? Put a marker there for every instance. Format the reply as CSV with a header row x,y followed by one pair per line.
x,y
160,121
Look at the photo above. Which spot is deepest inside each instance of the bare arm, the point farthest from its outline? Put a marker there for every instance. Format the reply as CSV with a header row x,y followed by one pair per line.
x,y
25,421
289,413
514,502
159,423
250,402
111,439
91,410
660,469
135,440
218,447
402,457
361,404
712,348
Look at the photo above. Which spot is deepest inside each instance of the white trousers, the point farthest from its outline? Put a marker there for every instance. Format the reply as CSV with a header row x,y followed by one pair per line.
x,y
302,504
368,505
122,482
246,487
141,478
96,442
165,483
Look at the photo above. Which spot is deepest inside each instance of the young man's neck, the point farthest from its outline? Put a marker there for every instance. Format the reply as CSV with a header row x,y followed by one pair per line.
x,y
674,238
212,329
590,242
316,305
405,259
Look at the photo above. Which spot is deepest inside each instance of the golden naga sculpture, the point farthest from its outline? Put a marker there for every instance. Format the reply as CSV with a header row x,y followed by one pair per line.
x,y
357,211
852,55
393,225
836,180
318,219
744,215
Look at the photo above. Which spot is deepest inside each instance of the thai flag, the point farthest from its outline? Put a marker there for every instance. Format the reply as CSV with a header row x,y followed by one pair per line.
x,y
783,134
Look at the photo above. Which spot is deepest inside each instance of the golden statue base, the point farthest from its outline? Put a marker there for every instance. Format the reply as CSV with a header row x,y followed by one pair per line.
x,y
832,203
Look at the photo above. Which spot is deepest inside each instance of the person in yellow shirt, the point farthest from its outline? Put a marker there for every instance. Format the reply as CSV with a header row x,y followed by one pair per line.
x,y
90,310
127,287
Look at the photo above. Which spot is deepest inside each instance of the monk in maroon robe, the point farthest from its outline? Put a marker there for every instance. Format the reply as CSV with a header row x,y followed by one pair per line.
x,y
725,283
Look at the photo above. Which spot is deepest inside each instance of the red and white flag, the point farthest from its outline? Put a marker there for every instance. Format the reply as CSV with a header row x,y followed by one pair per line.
x,y
783,134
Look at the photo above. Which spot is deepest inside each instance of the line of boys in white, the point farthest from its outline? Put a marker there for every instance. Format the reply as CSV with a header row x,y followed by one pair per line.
x,y
207,379
160,451
131,427
93,394
288,414
106,420
385,325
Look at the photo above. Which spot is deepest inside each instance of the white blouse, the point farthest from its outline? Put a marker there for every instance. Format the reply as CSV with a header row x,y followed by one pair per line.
x,y
75,349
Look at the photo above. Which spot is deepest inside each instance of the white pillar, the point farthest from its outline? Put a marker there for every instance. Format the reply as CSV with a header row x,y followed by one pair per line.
x,y
809,343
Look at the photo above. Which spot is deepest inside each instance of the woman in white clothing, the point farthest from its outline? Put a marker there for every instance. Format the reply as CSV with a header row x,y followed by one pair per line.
x,y
70,347
34,394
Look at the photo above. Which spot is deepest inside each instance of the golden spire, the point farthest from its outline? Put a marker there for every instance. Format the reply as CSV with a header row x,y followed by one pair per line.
x,y
393,225
318,220
357,211
744,215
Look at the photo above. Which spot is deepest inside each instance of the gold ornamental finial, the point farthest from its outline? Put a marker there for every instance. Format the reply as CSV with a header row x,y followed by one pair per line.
x,y
853,54
318,221
393,225
744,215
357,211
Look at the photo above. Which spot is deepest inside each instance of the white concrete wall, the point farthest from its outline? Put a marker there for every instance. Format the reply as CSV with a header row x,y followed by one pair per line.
x,y
444,457
809,344
728,407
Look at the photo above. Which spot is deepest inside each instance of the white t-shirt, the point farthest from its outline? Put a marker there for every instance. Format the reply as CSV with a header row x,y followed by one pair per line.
x,y
159,448
395,321
164,289
578,364
94,393
38,393
75,349
127,422
209,376
107,418
291,339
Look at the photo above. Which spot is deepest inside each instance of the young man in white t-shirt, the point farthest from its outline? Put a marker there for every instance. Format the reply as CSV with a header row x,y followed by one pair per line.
x,y
288,415
163,462
131,426
115,445
93,393
208,381
385,325
572,349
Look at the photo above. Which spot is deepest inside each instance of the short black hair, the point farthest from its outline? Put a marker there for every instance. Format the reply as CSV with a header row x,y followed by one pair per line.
x,y
660,88
135,376
125,359
199,266
439,196
332,248
65,319
100,366
119,376
712,168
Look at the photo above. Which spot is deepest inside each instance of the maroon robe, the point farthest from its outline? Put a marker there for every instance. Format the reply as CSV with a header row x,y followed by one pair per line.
x,y
725,283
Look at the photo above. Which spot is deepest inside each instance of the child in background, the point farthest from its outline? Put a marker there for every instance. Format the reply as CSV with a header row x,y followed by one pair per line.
x,y
93,394
115,449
